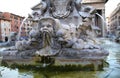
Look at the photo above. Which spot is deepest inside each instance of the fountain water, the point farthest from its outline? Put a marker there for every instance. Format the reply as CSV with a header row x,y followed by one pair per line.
x,y
19,34
100,16
104,23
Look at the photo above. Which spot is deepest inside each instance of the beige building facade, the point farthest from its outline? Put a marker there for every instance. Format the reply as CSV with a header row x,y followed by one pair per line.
x,y
100,16
5,26
114,21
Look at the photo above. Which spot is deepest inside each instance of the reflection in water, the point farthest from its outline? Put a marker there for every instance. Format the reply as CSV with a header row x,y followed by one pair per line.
x,y
111,71
10,73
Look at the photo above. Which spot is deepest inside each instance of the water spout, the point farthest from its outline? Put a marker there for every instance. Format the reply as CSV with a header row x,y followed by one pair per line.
x,y
103,24
19,34
100,16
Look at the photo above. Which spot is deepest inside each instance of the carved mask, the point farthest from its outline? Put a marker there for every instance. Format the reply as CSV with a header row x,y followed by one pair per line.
x,y
46,27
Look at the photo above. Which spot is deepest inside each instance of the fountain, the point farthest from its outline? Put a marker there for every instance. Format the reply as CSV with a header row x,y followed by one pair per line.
x,y
63,35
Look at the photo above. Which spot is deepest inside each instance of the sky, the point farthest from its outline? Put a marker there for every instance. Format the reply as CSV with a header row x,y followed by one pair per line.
x,y
18,7
110,6
23,7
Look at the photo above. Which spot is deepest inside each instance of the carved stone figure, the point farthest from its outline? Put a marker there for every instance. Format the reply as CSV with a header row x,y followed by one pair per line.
x,y
46,27
33,35
64,36
45,35
39,10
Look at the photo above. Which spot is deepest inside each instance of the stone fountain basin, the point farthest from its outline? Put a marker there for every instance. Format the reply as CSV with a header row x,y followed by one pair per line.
x,y
85,57
63,53
84,53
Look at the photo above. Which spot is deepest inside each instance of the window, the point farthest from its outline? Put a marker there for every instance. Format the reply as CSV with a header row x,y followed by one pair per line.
x,y
4,29
115,17
16,22
15,17
119,20
17,27
11,16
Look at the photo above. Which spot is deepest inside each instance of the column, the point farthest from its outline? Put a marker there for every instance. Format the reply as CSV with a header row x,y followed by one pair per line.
x,y
103,23
0,32
117,20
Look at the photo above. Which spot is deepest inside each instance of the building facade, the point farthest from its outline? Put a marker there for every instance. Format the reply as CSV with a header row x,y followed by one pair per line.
x,y
0,27
5,28
114,21
16,21
100,16
9,23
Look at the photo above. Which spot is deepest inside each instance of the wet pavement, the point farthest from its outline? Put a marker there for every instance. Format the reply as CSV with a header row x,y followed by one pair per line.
x,y
111,69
